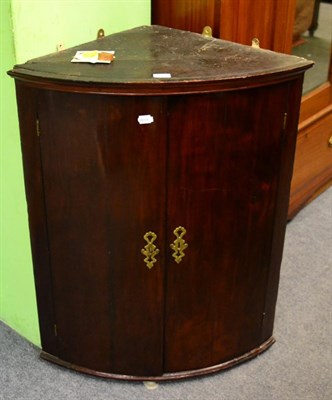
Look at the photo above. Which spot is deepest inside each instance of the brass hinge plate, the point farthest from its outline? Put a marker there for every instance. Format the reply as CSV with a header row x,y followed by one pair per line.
x,y
284,122
37,127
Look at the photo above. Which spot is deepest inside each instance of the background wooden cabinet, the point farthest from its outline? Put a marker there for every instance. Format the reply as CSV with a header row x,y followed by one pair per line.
x,y
272,22
157,245
235,20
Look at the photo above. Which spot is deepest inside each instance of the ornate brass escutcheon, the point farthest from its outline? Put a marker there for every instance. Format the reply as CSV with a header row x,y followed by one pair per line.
x,y
150,249
179,244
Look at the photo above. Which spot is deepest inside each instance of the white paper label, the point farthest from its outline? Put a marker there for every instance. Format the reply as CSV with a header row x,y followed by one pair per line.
x,y
162,76
145,119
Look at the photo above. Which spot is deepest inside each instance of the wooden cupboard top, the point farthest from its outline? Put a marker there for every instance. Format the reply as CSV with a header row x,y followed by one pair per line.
x,y
196,64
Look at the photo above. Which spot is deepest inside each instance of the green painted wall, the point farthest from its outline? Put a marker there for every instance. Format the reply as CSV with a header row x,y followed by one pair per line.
x,y
39,25
17,293
31,28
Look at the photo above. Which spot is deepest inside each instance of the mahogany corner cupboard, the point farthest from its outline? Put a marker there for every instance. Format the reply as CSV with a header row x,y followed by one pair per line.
x,y
157,189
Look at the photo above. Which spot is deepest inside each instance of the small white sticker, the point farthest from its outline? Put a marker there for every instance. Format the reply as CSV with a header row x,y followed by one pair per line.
x,y
162,76
145,119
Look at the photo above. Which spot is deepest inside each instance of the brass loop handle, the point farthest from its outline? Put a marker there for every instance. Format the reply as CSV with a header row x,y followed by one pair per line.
x,y
330,142
255,43
150,250
100,33
207,31
179,244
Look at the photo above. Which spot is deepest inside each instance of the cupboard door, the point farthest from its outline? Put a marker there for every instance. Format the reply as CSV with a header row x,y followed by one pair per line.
x,y
223,171
104,182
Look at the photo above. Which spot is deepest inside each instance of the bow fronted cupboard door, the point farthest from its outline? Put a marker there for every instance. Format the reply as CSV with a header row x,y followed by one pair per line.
x,y
157,209
222,188
104,184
